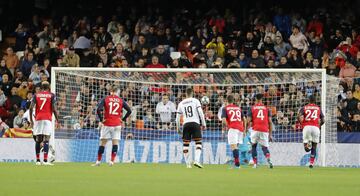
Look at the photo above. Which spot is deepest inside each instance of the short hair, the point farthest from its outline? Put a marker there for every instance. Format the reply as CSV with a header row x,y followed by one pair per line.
x,y
113,88
259,96
230,99
312,99
189,91
45,85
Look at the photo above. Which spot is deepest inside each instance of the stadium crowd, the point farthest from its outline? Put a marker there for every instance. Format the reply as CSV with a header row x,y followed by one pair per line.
x,y
325,37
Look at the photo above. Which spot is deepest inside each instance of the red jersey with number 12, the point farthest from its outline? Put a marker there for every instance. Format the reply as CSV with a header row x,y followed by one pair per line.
x,y
234,117
113,110
260,117
312,114
43,109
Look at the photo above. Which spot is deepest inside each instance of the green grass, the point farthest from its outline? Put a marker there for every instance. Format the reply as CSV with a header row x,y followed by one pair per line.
x,y
165,179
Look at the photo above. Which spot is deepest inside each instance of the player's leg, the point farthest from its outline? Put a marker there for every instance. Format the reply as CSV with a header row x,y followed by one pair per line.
x,y
46,139
38,140
315,134
234,140
254,139
104,136
197,137
47,131
186,143
313,154
264,141
306,139
116,134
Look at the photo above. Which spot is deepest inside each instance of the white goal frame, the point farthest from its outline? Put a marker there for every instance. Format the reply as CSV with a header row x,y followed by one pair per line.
x,y
321,71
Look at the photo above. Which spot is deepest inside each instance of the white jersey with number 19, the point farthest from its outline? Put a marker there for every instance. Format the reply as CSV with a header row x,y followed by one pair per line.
x,y
191,110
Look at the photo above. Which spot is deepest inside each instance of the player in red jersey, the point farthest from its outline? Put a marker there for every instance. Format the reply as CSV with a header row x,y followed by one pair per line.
x,y
259,117
111,126
234,120
45,106
311,118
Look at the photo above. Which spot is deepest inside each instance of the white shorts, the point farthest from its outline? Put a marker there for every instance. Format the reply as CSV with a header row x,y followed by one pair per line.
x,y
110,132
235,136
311,134
43,127
260,137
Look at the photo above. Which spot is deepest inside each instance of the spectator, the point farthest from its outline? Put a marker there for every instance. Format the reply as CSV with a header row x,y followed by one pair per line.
x,y
281,48
120,36
351,102
6,85
11,60
4,69
27,64
21,35
18,120
164,58
348,71
44,37
256,61
71,59
298,40
104,37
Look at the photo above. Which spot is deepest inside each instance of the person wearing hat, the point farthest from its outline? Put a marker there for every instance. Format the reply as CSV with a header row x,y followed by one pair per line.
x,y
71,59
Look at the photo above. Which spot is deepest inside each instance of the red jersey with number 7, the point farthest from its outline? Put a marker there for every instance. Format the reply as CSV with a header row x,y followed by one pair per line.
x,y
233,116
312,115
43,105
113,105
260,114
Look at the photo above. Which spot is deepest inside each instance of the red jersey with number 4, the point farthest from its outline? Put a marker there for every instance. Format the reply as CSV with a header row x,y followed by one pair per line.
x,y
113,110
312,115
260,117
43,105
233,116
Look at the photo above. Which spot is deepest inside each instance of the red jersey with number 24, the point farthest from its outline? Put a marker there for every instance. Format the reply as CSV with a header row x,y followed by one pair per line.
x,y
113,110
260,117
312,115
233,116
43,105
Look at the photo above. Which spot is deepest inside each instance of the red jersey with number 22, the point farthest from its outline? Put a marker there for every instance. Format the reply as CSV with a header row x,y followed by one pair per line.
x,y
312,114
113,110
43,109
234,117
260,117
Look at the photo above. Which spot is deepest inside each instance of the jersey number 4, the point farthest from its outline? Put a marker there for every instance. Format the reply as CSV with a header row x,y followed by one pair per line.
x,y
311,115
260,114
235,115
114,108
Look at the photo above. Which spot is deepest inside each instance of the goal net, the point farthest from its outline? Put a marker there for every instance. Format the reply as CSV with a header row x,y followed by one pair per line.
x,y
149,136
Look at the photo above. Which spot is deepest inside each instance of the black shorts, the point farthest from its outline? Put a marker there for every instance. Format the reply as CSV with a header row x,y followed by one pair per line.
x,y
191,130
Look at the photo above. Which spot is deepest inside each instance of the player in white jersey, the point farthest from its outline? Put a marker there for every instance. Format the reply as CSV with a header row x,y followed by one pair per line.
x,y
193,124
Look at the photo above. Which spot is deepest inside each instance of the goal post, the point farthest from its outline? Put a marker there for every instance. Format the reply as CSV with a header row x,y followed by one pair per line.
x,y
149,134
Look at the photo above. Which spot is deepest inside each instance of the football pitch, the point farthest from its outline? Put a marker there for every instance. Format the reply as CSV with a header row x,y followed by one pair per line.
x,y
173,179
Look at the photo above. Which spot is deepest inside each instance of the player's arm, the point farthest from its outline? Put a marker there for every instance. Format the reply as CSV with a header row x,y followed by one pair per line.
x,y
201,115
128,111
99,109
177,119
270,126
244,119
54,109
249,118
301,115
322,118
31,109
223,119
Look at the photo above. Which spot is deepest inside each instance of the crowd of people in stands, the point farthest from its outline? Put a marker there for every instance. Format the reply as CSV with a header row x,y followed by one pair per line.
x,y
274,38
